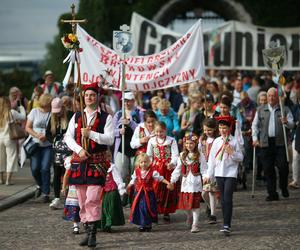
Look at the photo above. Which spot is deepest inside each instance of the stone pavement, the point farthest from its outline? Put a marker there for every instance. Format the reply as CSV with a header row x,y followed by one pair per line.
x,y
22,190
256,225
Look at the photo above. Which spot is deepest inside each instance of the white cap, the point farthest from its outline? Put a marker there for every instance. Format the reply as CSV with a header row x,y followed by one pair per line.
x,y
48,72
128,96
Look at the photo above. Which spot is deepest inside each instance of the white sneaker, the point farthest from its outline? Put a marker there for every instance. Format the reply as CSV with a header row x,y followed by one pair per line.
x,y
195,229
55,204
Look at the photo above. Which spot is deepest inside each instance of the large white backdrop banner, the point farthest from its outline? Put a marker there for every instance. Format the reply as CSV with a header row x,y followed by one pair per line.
x,y
232,45
180,63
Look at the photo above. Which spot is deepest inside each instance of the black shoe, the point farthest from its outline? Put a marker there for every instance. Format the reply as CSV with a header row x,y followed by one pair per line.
x,y
37,193
226,230
272,198
142,229
107,229
148,228
46,199
212,219
285,193
208,211
166,218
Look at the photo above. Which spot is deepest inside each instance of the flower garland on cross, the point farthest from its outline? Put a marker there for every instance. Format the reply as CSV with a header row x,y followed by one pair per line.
x,y
70,41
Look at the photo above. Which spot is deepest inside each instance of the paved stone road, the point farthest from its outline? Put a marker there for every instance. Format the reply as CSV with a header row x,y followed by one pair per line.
x,y
256,225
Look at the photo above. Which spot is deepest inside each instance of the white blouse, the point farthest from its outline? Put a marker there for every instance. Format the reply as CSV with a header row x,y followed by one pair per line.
x,y
135,140
190,183
168,141
117,178
155,176
228,166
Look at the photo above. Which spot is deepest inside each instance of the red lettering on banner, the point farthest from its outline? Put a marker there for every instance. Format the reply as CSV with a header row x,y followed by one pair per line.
x,y
157,57
146,86
131,68
167,81
142,77
160,83
85,77
136,87
113,63
128,77
135,77
173,78
156,75
150,59
151,67
104,59
149,77
192,72
140,68
185,75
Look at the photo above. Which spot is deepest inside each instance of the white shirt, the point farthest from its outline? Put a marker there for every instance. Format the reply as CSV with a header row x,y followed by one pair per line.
x,y
152,143
155,176
190,183
107,138
117,178
271,129
135,140
228,166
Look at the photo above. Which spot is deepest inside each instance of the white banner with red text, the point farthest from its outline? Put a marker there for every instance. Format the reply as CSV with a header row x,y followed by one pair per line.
x,y
180,63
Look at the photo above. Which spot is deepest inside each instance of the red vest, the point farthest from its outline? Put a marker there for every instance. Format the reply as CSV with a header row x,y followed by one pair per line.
x,y
146,182
143,148
194,168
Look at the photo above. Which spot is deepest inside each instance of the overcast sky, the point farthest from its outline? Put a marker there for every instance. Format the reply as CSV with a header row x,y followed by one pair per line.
x,y
29,24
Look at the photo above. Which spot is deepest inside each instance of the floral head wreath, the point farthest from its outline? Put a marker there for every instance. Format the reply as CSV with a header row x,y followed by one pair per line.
x,y
191,137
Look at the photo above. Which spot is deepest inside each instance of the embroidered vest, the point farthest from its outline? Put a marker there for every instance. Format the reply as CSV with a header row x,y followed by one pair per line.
x,y
146,182
143,148
194,168
110,184
98,126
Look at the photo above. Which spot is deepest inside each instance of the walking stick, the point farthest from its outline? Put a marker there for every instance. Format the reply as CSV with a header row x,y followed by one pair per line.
x,y
253,171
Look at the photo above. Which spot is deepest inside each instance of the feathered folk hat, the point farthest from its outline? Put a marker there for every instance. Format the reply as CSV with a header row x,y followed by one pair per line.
x,y
92,86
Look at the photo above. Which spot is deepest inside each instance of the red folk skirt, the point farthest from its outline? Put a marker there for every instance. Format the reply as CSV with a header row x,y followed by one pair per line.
x,y
188,201
166,200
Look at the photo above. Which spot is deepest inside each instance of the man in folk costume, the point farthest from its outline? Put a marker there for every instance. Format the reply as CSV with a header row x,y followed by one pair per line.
x,y
90,164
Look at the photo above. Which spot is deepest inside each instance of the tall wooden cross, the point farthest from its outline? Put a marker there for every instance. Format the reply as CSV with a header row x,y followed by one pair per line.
x,y
73,22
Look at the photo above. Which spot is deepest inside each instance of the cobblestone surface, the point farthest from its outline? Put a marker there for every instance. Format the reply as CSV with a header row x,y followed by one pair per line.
x,y
256,225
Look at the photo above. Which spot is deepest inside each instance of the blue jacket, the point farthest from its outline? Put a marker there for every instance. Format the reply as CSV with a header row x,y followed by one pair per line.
x,y
171,120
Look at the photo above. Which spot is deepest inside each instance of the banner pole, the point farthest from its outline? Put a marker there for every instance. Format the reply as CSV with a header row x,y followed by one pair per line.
x,y
123,108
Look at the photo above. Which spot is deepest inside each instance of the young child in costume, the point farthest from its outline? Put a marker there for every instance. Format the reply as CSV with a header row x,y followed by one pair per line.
x,y
112,210
223,162
144,207
190,165
163,152
210,191
71,208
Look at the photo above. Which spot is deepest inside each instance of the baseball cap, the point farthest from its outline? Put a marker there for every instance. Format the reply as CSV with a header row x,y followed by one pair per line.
x,y
48,72
56,105
128,96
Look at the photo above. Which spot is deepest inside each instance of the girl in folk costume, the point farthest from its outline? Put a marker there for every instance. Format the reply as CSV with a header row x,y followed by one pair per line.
x,y
71,209
112,211
190,165
143,132
163,151
210,190
144,207
223,162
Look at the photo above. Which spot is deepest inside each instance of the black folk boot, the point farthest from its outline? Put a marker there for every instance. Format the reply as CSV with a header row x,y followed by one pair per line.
x,y
92,235
85,240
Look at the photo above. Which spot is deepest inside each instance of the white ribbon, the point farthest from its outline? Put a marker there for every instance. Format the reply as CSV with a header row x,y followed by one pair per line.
x,y
72,58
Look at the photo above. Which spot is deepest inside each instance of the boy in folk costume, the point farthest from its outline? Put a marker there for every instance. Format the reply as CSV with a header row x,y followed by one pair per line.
x,y
191,165
144,207
163,151
210,191
89,166
223,162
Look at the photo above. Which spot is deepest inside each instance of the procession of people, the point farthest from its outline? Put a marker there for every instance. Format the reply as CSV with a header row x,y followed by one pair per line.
x,y
172,160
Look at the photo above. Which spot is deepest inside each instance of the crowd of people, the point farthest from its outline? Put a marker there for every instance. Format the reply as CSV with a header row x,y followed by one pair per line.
x,y
182,146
